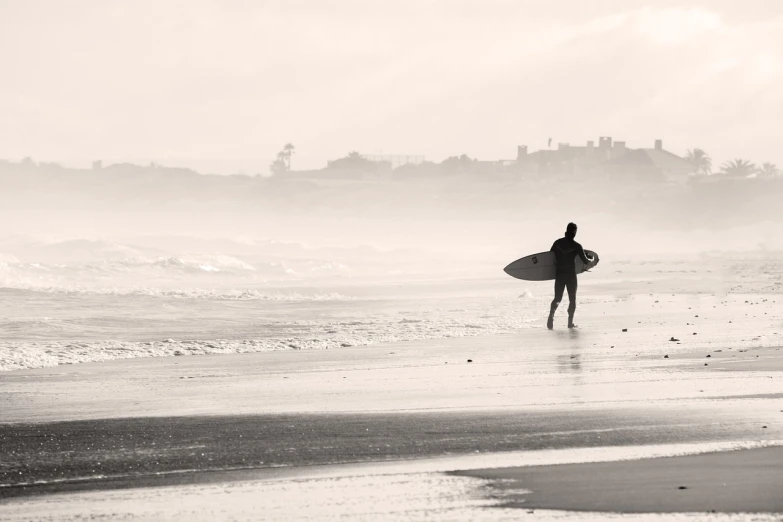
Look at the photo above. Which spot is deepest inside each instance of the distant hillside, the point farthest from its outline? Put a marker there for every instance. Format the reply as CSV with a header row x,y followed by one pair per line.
x,y
141,199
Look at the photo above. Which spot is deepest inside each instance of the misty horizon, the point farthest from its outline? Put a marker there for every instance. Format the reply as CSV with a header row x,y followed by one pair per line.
x,y
248,167
211,92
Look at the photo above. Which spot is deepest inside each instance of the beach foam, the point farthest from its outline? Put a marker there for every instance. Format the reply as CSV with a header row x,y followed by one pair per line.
x,y
85,327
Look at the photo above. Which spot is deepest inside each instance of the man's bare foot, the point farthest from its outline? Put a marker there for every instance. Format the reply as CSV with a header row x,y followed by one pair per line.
x,y
572,325
550,323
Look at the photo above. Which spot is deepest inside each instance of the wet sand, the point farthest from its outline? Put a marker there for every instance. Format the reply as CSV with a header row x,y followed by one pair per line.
x,y
744,481
157,451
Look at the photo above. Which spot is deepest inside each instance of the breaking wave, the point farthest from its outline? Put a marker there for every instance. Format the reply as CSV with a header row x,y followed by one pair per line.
x,y
214,276
195,293
365,323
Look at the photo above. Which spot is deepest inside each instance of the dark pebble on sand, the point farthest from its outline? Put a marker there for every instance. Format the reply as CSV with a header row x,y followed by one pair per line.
x,y
673,340
708,355
625,329
665,356
177,353
470,360
683,487
763,426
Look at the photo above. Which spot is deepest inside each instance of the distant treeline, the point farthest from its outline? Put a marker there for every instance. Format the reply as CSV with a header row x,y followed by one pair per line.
x,y
702,201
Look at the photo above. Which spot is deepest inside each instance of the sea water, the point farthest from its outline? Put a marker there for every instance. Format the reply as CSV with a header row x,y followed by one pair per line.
x,y
81,301
98,310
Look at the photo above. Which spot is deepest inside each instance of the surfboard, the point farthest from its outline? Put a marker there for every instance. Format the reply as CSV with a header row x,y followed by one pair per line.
x,y
541,266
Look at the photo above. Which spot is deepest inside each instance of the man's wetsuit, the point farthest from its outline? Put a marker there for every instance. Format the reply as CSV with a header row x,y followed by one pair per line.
x,y
566,250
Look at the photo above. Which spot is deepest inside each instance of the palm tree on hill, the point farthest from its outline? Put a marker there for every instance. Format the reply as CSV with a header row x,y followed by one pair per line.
x,y
288,151
701,161
738,168
769,170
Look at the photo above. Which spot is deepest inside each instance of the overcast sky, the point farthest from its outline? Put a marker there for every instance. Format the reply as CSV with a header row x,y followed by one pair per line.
x,y
235,80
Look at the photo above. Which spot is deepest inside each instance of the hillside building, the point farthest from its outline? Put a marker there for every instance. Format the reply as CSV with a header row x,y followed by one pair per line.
x,y
612,158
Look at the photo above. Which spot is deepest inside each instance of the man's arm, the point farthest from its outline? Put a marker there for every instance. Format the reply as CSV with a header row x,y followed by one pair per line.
x,y
583,255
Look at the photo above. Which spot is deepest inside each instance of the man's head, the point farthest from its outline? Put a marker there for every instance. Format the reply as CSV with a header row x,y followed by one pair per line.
x,y
571,230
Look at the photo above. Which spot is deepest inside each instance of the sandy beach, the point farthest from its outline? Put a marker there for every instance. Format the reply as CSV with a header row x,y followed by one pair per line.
x,y
311,261
734,481
395,416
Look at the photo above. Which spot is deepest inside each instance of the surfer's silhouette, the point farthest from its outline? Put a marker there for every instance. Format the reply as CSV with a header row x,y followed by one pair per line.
x,y
566,250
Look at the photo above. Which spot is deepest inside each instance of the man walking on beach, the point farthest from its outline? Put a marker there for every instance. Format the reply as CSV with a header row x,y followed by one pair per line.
x,y
566,250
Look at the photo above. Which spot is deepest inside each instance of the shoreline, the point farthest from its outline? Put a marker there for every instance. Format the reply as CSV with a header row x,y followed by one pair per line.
x,y
536,369
627,302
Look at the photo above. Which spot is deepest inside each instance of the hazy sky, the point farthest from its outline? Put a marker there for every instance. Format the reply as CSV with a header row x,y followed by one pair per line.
x,y
235,80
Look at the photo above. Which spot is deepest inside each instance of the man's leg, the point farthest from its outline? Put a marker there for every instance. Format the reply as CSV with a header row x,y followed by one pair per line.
x,y
559,287
571,286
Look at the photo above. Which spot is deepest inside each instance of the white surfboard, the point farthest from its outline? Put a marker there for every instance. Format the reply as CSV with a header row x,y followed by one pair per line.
x,y
541,267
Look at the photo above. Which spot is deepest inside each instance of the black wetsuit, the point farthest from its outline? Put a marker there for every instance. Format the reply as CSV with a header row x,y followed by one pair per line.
x,y
566,250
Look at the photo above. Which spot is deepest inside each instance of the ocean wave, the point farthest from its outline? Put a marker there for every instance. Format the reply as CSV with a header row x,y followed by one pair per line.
x,y
194,293
184,273
17,355
207,263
